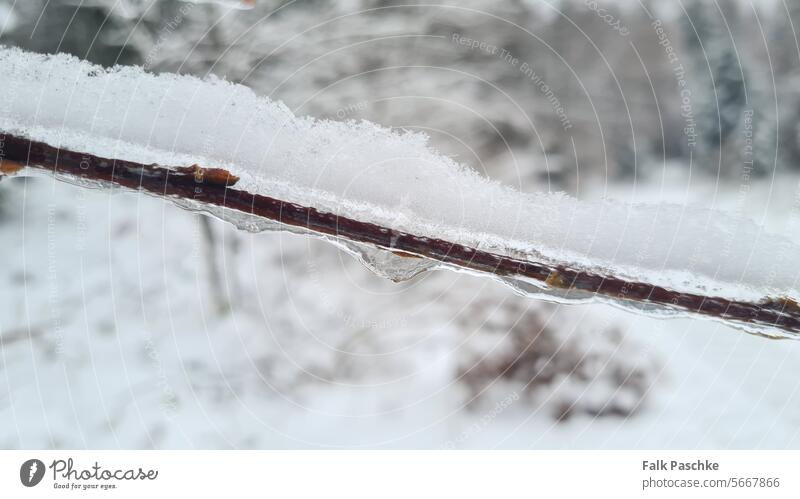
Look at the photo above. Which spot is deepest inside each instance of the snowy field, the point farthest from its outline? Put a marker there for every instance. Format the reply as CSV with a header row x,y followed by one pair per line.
x,y
110,338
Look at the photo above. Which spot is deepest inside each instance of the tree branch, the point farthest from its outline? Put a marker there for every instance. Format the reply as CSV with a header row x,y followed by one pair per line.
x,y
216,187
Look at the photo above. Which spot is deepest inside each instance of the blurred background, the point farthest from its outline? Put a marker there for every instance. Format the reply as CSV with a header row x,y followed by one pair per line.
x,y
127,322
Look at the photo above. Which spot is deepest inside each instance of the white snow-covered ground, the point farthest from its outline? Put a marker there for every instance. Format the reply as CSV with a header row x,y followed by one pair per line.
x,y
111,338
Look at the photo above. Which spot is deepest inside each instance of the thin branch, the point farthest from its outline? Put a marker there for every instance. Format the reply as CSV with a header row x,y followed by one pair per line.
x,y
216,187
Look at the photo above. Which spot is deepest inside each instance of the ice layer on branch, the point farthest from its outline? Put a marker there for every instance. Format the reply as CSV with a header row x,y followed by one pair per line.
x,y
388,177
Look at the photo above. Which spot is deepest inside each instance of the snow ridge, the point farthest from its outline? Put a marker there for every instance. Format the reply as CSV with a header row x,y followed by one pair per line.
x,y
386,176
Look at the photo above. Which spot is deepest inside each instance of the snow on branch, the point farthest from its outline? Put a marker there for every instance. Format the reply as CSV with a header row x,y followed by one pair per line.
x,y
383,194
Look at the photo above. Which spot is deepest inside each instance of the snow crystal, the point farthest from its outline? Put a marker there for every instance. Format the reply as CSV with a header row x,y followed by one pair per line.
x,y
376,174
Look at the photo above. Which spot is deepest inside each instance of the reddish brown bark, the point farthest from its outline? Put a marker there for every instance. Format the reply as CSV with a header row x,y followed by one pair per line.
x,y
215,187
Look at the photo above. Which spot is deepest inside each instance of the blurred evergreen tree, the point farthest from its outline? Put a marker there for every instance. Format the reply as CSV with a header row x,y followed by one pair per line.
x,y
719,94
784,33
722,91
105,32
